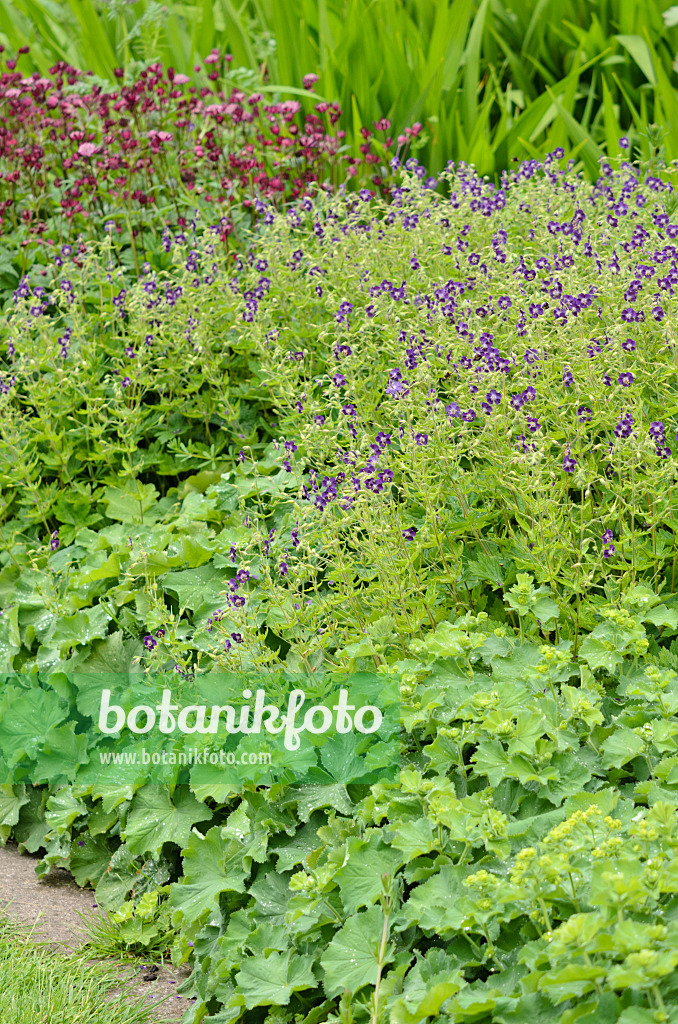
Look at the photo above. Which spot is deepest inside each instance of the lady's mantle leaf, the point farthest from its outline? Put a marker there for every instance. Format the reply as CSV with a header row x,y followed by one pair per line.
x,y
622,746
352,956
360,878
271,981
27,719
154,819
212,865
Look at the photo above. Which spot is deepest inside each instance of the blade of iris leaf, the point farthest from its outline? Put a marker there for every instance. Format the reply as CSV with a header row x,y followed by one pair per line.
x,y
520,77
237,37
361,50
435,57
451,24
471,74
480,151
326,46
398,91
357,125
592,99
460,141
639,50
574,151
646,120
415,111
591,153
613,129
202,38
458,21
637,121
96,39
368,79
627,16
527,148
503,101
291,48
666,94
531,118
558,136
526,124
538,17
177,48
51,45
637,116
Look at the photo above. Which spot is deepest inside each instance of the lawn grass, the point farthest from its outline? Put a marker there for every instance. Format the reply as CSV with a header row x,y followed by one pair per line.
x,y
39,986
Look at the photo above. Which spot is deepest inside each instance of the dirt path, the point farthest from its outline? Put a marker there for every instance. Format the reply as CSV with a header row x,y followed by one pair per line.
x,y
52,906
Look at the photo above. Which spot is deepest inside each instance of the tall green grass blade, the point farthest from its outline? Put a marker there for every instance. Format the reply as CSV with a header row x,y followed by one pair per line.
x,y
538,17
238,37
357,125
535,118
591,99
96,38
24,26
480,150
459,19
202,40
558,135
178,48
613,130
591,154
635,114
666,95
637,47
471,73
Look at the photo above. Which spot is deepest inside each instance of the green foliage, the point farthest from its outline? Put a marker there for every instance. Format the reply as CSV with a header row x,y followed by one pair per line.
x,y
523,867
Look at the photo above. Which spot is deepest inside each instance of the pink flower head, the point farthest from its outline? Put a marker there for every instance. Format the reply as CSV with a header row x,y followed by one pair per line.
x,y
181,79
160,136
87,149
212,58
309,81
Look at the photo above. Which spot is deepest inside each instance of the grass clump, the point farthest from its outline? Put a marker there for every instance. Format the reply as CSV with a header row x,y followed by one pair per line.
x,y
44,987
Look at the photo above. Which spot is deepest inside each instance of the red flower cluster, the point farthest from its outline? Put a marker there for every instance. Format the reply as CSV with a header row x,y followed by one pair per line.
x,y
74,157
